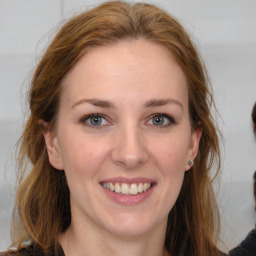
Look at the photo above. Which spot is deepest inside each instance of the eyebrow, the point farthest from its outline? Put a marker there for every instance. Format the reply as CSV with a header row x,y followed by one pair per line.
x,y
162,102
95,102
107,104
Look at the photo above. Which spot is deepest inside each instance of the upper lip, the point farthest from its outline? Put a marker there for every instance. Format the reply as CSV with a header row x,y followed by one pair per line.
x,y
128,180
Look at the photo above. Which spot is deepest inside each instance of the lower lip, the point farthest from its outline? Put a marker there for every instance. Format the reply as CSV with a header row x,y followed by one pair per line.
x,y
129,199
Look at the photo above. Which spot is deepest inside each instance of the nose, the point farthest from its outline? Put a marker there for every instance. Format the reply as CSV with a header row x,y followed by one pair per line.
x,y
129,148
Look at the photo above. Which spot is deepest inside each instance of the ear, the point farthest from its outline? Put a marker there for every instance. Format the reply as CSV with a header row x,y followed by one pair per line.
x,y
194,146
52,145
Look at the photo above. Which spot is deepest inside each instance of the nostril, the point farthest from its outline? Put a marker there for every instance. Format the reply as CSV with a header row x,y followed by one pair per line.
x,y
129,161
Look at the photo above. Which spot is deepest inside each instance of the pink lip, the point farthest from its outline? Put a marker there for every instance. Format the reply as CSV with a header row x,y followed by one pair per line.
x,y
129,200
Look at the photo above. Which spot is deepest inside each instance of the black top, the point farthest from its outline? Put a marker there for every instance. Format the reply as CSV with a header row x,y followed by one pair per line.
x,y
247,247
34,250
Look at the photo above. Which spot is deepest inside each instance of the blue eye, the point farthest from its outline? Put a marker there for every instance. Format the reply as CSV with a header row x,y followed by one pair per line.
x,y
158,120
161,120
94,120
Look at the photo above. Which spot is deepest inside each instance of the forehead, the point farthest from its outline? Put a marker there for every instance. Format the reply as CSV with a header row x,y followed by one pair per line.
x,y
126,67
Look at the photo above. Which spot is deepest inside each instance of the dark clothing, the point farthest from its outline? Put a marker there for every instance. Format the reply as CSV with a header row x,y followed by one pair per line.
x,y
247,247
37,251
33,250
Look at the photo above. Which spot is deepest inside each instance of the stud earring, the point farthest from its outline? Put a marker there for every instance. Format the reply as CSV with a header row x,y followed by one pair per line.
x,y
191,162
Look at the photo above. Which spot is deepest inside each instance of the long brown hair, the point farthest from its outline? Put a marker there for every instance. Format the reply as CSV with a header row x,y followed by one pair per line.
x,y
42,201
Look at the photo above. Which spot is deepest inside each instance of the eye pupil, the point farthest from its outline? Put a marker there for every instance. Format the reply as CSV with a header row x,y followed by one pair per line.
x,y
158,120
96,120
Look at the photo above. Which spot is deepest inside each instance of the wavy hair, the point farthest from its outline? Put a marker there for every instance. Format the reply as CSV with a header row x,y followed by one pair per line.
x,y
42,202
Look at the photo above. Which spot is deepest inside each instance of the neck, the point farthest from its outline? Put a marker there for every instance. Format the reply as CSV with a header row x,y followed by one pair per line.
x,y
78,240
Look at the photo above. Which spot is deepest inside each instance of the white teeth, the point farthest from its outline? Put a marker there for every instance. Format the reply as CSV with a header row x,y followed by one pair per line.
x,y
126,189
133,189
117,188
111,186
140,188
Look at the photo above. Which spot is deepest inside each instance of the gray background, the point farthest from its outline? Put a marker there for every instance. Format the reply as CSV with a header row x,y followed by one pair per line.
x,y
225,32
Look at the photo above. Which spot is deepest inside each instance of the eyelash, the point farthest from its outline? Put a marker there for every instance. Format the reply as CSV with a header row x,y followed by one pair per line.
x,y
171,120
94,115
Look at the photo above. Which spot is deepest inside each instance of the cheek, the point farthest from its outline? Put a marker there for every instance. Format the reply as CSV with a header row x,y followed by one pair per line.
x,y
82,156
171,156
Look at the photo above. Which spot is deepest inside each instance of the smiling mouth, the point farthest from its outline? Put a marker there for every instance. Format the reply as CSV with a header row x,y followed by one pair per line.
x,y
127,189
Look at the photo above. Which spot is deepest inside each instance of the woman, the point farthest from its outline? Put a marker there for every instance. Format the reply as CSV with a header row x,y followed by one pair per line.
x,y
121,141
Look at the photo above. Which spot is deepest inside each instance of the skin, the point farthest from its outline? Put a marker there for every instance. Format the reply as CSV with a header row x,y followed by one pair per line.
x,y
130,82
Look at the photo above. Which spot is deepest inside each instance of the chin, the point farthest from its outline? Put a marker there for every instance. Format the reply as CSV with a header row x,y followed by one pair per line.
x,y
128,226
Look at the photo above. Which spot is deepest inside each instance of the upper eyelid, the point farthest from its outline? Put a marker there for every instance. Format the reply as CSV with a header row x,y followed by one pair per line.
x,y
164,115
171,121
85,117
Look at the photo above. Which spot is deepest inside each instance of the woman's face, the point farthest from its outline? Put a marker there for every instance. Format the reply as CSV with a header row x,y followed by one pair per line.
x,y
123,137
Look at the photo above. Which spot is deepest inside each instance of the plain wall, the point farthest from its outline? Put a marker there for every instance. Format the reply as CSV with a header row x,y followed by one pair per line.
x,y
224,31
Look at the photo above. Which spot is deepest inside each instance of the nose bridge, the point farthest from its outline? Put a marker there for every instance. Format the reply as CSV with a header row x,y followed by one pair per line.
x,y
129,148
